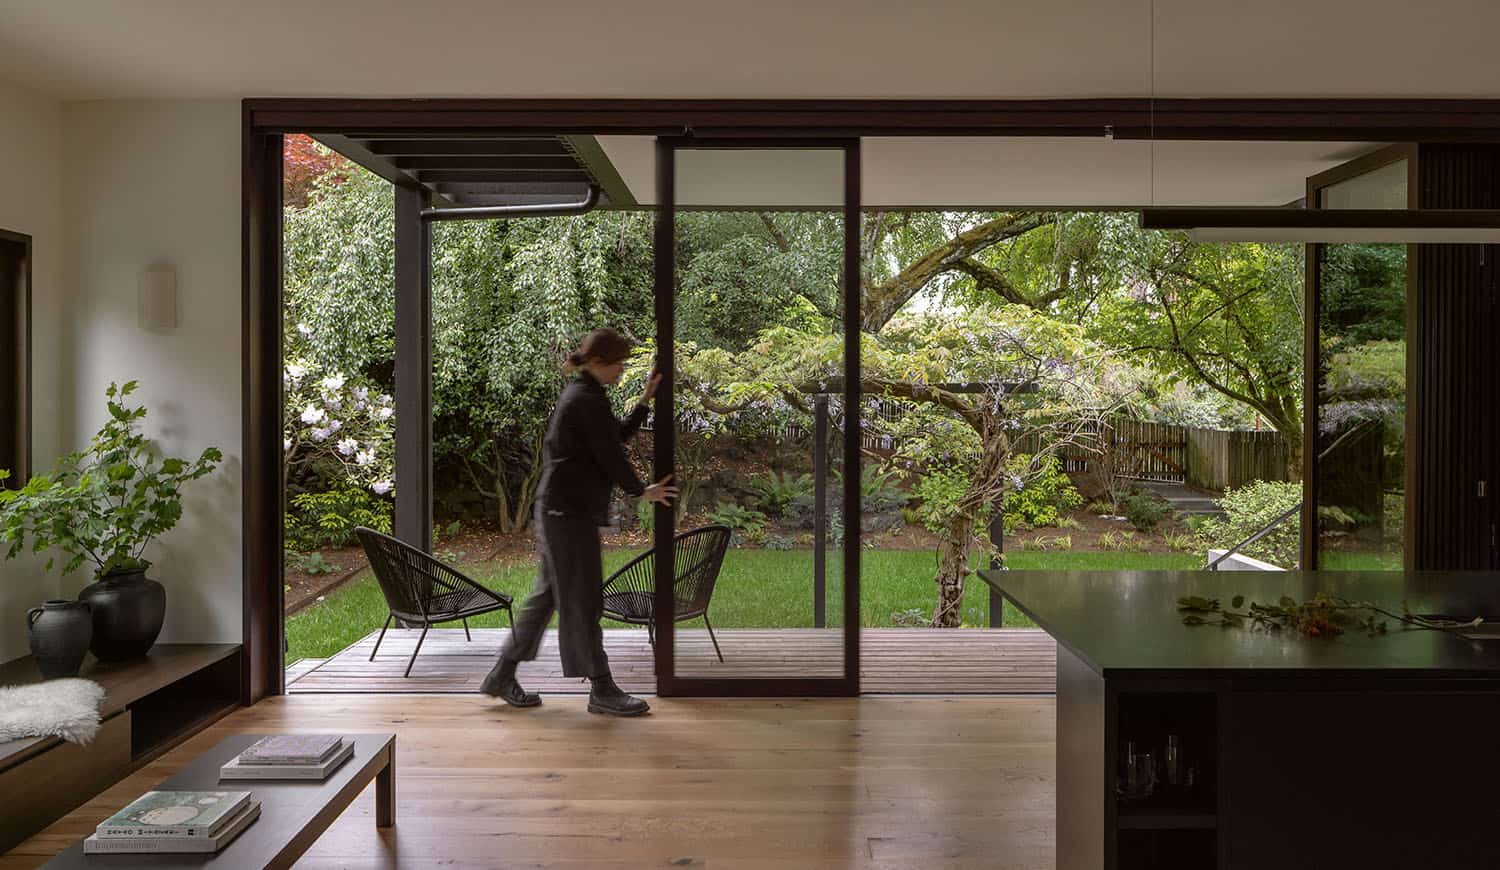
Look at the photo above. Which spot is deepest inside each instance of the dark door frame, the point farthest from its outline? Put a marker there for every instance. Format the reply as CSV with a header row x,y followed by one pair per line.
x,y
15,329
668,683
1312,312
266,120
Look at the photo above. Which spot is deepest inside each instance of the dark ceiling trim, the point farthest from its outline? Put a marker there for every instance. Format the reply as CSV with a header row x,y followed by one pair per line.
x,y
1297,218
1262,119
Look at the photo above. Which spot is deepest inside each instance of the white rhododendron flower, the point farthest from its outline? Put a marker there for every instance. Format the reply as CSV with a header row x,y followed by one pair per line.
x,y
381,487
361,393
313,414
348,446
333,382
385,413
335,425
295,371
321,434
364,457
286,444
306,330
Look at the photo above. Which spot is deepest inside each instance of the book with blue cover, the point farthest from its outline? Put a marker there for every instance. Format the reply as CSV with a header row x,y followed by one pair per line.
x,y
175,814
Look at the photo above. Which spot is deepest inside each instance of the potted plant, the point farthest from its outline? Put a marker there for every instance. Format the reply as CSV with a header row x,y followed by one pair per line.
x,y
104,505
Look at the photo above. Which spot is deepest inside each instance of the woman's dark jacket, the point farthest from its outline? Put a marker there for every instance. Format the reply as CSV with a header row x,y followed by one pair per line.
x,y
584,452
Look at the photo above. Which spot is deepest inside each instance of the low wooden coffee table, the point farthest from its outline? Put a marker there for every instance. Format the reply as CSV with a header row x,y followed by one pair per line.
x,y
293,814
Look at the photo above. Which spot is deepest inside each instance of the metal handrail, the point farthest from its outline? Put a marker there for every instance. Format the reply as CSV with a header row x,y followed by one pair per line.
x,y
1265,530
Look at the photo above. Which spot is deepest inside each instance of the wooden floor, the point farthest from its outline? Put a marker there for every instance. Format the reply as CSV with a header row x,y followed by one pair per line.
x,y
885,783
893,660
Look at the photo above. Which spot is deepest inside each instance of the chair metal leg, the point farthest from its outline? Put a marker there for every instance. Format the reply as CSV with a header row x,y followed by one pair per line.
x,y
712,638
382,635
414,652
467,636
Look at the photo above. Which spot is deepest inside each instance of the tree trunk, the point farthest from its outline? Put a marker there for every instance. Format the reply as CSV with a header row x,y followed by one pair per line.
x,y
953,570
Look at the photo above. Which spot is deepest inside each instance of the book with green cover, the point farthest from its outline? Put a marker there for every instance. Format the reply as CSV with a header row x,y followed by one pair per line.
x,y
175,814
97,845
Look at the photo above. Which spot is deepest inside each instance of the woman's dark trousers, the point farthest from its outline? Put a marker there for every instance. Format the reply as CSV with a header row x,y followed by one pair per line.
x,y
570,582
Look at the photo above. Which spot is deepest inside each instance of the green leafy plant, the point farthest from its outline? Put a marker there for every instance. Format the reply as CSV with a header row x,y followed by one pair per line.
x,y
106,503
1144,510
1047,542
328,519
1047,495
1068,523
774,493
1122,541
1322,616
877,489
1183,542
315,564
1251,508
737,517
645,514
777,542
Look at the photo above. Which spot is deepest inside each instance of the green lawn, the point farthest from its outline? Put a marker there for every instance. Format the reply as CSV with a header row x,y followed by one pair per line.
x,y
757,588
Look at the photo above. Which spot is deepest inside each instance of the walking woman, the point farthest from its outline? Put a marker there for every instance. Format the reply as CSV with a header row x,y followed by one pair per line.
x,y
583,459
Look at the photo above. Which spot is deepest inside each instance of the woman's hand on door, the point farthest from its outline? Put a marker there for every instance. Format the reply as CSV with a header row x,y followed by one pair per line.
x,y
661,492
651,389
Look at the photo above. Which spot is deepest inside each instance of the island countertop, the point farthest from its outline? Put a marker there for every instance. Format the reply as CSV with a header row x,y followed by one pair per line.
x,y
1126,623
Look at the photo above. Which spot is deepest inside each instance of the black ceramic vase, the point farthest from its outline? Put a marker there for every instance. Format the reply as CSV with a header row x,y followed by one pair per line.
x,y
128,612
60,635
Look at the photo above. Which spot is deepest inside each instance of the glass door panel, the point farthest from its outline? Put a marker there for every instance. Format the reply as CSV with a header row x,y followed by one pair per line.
x,y
757,574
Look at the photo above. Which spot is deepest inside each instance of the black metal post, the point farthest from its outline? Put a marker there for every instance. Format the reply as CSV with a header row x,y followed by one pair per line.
x,y
997,560
820,511
413,521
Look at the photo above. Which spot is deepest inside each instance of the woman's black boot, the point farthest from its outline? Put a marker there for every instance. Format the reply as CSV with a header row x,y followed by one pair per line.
x,y
607,698
501,683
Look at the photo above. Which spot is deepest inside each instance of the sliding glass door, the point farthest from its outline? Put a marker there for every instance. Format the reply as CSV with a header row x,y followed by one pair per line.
x,y
757,565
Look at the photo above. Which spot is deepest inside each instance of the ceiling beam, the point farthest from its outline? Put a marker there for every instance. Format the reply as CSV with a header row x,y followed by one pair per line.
x,y
510,164
432,176
590,155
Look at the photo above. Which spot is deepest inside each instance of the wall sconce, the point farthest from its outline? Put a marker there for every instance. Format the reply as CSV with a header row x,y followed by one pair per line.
x,y
156,298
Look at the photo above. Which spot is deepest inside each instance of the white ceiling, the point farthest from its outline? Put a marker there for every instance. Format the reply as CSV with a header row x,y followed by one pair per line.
x,y
994,172
107,49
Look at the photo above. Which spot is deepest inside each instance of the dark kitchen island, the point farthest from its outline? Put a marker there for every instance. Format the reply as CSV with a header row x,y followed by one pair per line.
x,y
1320,752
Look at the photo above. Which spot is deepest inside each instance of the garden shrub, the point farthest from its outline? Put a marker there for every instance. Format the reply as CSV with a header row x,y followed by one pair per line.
x,y
877,489
737,517
774,493
1249,509
328,519
777,542
1046,496
1144,510
940,490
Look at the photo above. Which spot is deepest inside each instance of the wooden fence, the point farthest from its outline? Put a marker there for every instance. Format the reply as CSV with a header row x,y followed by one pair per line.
x,y
1213,459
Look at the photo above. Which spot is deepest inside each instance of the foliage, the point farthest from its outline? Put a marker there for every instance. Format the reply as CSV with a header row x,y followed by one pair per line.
x,y
1323,616
106,503
645,514
304,162
1228,316
328,519
774,492
1251,508
1144,510
741,519
1047,543
1045,496
1183,543
1121,541
314,564
777,542
940,492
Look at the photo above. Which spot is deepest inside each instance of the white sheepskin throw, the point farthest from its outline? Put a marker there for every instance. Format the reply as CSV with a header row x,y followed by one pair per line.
x,y
66,708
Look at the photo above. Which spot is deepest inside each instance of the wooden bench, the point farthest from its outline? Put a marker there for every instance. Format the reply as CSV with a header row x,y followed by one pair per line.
x,y
150,705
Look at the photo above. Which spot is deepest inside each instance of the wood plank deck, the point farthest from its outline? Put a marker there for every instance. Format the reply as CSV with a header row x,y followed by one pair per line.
x,y
895,660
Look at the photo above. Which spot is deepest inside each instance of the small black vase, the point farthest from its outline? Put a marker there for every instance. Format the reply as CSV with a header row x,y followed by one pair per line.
x,y
60,635
128,611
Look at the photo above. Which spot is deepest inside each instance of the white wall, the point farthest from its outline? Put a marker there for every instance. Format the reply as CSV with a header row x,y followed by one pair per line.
x,y
149,183
30,202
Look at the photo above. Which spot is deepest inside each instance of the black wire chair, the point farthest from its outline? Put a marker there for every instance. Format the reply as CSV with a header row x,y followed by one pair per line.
x,y
420,590
629,593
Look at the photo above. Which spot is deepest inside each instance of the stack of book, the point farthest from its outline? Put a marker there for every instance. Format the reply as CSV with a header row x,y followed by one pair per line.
x,y
289,756
175,821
